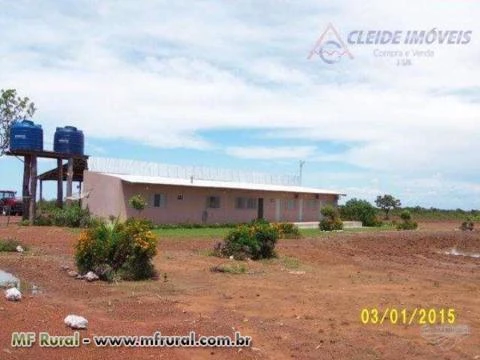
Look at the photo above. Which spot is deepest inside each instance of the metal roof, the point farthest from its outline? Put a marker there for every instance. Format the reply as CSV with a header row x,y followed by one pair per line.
x,y
136,179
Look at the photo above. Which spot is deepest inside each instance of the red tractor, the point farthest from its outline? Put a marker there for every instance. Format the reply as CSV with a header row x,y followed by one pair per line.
x,y
9,204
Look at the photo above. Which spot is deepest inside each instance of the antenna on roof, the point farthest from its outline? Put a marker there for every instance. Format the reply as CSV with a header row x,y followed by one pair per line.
x,y
301,163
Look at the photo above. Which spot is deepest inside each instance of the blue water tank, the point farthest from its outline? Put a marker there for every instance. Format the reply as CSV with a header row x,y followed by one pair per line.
x,y
68,140
26,135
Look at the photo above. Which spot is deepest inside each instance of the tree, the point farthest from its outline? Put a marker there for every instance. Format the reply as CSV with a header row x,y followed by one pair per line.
x,y
360,210
387,203
138,202
12,108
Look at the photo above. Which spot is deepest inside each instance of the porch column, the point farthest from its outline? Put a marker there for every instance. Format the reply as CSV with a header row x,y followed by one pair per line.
x,y
300,209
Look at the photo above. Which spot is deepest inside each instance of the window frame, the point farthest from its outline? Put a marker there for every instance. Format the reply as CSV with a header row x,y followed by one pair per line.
x,y
246,203
162,201
215,204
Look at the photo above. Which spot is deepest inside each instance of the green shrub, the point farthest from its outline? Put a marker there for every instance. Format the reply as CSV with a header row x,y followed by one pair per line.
x,y
72,215
138,202
24,223
43,220
467,225
360,210
254,241
194,226
330,225
288,230
405,215
10,245
407,223
331,220
117,249
46,206
145,223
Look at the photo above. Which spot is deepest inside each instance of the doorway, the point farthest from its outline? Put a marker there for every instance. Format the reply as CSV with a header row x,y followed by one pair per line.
x,y
260,208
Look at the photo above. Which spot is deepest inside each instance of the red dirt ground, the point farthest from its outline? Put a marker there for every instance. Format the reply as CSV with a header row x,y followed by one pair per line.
x,y
304,305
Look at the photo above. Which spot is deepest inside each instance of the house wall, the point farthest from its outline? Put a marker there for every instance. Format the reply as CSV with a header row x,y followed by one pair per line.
x,y
193,207
105,195
109,196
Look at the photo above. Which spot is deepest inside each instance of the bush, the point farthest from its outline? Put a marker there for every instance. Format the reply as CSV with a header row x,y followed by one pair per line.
x,y
72,215
287,230
10,245
43,220
407,223
117,249
405,215
467,225
147,224
254,241
360,210
138,202
331,219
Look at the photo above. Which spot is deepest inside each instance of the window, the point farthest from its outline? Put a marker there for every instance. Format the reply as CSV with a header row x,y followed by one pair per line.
x,y
245,203
312,204
251,203
213,202
289,204
180,197
240,203
159,200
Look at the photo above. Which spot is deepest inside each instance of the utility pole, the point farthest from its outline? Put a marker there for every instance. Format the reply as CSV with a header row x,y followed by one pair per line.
x,y
301,163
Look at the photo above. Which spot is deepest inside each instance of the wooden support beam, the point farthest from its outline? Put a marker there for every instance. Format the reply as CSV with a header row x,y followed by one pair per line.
x,y
59,183
33,189
69,179
26,187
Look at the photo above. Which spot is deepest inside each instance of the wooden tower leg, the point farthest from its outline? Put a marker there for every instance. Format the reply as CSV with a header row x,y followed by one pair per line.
x,y
59,183
33,189
26,187
69,179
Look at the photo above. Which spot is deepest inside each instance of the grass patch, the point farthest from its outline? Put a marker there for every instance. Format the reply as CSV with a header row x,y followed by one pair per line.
x,y
206,252
234,268
221,232
205,233
290,262
10,245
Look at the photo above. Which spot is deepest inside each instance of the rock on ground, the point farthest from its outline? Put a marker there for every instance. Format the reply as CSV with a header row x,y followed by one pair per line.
x,y
72,273
13,294
76,322
91,276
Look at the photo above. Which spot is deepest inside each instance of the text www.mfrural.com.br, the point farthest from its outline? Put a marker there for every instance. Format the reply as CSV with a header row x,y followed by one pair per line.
x,y
44,339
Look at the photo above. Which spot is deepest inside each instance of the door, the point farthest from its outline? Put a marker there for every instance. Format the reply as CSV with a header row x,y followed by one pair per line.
x,y
260,208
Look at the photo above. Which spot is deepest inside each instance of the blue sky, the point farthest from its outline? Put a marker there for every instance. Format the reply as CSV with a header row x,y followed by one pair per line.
x,y
228,84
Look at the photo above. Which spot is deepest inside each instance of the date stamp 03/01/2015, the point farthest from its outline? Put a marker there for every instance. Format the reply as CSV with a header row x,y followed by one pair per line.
x,y
403,316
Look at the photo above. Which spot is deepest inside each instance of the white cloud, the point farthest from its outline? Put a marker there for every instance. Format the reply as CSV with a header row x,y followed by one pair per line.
x,y
269,153
159,73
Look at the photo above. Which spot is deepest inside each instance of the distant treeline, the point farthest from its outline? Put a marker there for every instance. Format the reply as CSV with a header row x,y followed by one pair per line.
x,y
420,213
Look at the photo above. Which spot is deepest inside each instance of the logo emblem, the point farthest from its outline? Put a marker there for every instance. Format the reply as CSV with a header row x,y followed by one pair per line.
x,y
330,47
